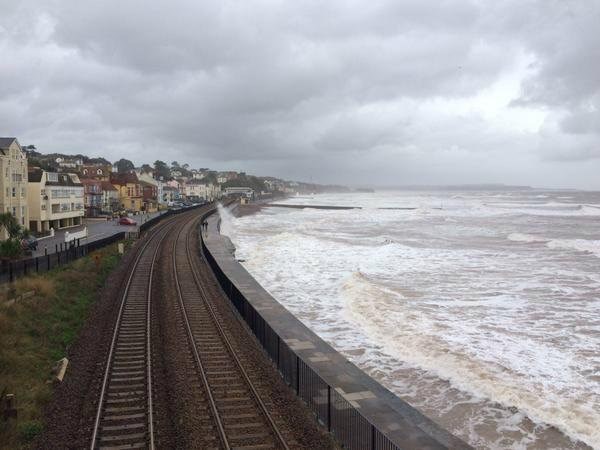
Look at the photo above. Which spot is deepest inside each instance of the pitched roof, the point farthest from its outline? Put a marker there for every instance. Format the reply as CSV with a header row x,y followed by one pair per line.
x,y
34,174
106,186
123,178
6,141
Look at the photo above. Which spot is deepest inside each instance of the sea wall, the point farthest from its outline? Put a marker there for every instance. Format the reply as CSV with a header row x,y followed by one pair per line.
x,y
359,412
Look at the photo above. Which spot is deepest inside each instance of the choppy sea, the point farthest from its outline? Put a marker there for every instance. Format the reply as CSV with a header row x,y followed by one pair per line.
x,y
481,309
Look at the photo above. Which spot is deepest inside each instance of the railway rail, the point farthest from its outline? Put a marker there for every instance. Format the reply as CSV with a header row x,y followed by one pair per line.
x,y
240,415
124,417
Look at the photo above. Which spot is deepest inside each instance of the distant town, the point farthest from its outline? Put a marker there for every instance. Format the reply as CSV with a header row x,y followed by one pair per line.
x,y
54,191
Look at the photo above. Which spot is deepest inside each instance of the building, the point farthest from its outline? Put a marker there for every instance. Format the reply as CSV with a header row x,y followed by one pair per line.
x,y
149,196
224,177
56,200
96,171
92,197
110,198
129,190
13,181
197,189
169,194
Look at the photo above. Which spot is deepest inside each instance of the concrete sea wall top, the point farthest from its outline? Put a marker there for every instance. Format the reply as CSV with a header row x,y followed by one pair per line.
x,y
396,419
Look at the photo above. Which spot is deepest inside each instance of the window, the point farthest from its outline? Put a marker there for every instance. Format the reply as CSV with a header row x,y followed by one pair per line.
x,y
22,192
17,177
43,208
52,176
14,211
7,192
14,192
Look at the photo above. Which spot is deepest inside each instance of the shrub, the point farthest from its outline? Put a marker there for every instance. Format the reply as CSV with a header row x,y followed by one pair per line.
x,y
28,430
10,248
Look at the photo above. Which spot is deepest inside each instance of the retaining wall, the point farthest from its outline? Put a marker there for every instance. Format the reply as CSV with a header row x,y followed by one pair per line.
x,y
357,410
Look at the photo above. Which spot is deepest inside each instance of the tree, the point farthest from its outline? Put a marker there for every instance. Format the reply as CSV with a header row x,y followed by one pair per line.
x,y
161,170
146,168
174,164
124,165
11,248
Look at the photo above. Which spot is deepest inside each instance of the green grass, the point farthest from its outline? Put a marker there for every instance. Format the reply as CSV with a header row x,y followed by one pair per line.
x,y
36,332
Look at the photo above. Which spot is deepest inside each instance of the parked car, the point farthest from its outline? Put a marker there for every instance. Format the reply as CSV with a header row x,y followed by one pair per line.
x,y
29,243
127,221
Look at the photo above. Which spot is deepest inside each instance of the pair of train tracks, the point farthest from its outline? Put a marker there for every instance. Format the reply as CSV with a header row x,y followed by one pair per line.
x,y
125,414
241,417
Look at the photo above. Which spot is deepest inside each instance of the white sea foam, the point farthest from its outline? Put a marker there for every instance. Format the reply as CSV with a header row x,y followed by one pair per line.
x,y
580,245
520,237
480,335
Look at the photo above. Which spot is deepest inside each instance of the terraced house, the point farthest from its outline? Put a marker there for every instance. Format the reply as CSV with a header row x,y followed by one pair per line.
x,y
56,200
13,181
130,190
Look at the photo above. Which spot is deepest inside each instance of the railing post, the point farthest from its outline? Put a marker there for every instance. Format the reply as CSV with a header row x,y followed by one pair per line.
x,y
24,267
328,408
297,375
10,271
372,437
48,261
278,350
37,264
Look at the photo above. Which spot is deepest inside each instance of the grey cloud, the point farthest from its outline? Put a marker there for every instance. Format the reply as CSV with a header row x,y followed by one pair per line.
x,y
342,90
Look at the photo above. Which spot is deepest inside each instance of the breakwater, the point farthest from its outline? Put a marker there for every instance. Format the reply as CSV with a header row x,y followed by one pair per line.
x,y
359,412
332,207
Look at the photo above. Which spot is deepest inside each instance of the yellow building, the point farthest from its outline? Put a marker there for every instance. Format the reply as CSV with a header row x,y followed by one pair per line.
x,y
130,190
13,181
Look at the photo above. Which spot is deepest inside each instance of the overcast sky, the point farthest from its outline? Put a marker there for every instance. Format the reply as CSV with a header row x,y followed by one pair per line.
x,y
355,92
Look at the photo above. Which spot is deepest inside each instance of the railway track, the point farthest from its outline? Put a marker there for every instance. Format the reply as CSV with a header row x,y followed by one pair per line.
x,y
124,417
240,417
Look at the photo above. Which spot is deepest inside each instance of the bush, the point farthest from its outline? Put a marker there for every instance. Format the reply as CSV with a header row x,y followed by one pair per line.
x,y
11,249
29,430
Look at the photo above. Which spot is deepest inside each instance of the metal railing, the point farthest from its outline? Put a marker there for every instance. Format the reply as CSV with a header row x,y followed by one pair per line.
x,y
332,410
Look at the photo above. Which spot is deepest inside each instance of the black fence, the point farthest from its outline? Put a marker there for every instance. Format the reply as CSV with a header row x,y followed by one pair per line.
x,y
11,270
331,409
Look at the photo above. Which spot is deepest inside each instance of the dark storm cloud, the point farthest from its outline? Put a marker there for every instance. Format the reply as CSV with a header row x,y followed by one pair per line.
x,y
379,92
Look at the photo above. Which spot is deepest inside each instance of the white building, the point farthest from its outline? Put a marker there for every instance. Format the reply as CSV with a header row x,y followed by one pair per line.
x,y
207,191
56,200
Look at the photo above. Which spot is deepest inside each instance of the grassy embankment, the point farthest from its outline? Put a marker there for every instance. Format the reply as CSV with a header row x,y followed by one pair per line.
x,y
36,332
